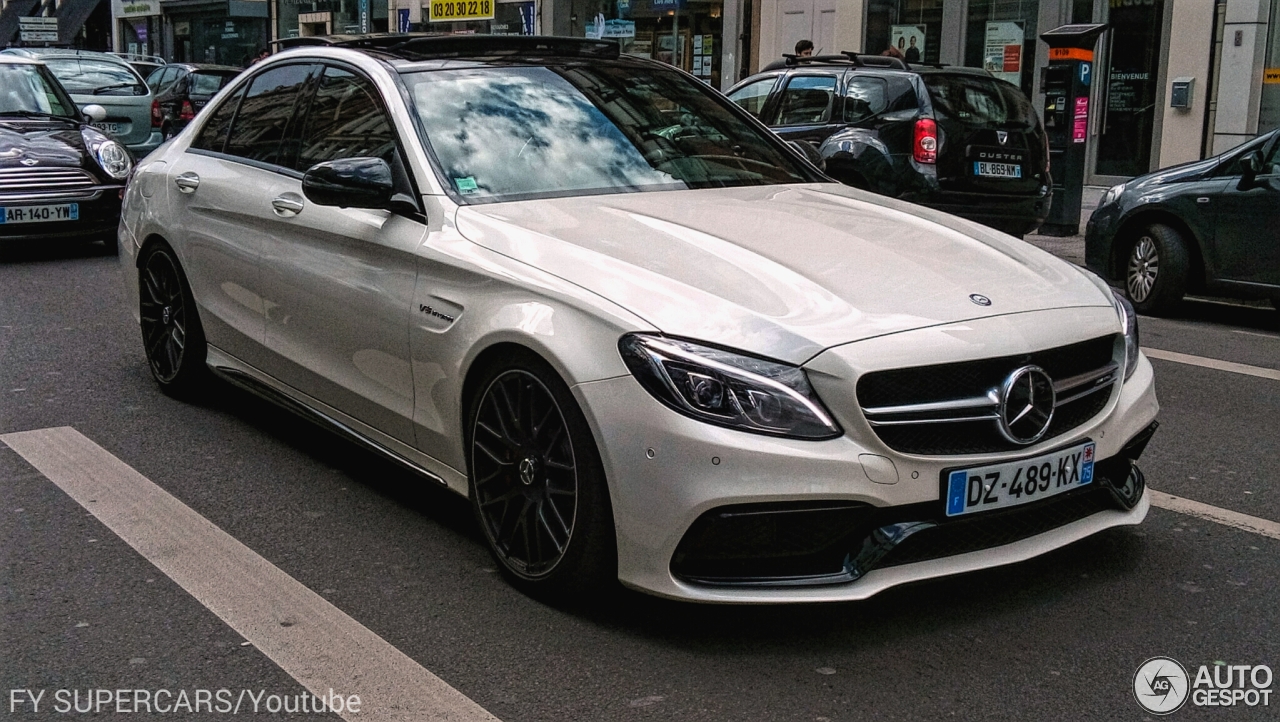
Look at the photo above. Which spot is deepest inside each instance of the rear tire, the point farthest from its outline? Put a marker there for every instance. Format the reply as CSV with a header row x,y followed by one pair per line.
x,y
538,487
172,336
1156,269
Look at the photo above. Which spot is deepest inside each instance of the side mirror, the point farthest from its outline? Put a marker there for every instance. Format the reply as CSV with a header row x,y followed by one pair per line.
x,y
350,183
94,112
810,153
1250,166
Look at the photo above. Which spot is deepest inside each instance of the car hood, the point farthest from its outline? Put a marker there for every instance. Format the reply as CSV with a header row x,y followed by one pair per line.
x,y
51,143
780,271
1180,172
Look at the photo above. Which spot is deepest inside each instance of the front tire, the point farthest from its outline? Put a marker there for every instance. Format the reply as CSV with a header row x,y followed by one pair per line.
x,y
538,488
172,336
1156,268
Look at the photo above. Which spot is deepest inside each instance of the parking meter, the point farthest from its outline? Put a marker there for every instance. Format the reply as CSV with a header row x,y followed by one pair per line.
x,y
1066,84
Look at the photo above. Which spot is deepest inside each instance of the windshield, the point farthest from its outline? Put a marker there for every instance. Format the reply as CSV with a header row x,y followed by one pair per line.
x,y
520,132
91,76
979,101
29,89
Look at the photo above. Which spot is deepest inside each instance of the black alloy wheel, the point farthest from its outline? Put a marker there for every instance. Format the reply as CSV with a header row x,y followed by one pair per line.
x,y
171,333
537,486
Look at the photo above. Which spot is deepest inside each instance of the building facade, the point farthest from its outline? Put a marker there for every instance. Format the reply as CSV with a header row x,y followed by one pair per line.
x,y
1228,51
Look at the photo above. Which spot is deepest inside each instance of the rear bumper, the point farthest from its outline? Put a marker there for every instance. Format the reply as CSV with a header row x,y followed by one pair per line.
x,y
99,217
1009,213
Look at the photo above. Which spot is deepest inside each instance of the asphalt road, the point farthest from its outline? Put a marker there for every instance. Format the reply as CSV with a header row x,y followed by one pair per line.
x,y
1059,637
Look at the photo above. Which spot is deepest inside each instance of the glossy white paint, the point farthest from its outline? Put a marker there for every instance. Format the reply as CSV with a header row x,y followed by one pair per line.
x,y
375,320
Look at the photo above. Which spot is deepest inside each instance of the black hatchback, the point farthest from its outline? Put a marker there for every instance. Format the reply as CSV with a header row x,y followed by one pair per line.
x,y
954,139
1210,226
60,178
181,90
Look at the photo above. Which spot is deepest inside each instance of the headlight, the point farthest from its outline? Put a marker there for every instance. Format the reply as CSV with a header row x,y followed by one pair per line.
x,y
1129,322
112,157
728,389
1112,195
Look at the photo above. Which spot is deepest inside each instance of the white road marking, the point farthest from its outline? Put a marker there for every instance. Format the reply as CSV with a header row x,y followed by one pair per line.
x,y
309,638
1235,519
1212,363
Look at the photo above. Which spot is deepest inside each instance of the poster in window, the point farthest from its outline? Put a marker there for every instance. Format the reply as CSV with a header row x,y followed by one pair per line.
x,y
909,40
1003,50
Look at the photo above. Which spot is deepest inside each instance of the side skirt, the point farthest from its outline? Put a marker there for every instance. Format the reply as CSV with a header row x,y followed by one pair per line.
x,y
260,384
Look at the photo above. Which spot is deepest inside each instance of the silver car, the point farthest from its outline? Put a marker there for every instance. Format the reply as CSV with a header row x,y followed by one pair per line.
x,y
645,337
110,81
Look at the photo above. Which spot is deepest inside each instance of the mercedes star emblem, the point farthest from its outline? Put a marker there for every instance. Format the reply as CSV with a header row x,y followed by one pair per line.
x,y
1026,405
979,299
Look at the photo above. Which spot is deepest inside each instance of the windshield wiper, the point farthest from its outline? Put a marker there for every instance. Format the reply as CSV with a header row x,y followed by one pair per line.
x,y
33,114
117,86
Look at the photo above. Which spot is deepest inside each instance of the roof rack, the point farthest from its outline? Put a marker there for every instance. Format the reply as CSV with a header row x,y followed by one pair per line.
x,y
848,57
430,45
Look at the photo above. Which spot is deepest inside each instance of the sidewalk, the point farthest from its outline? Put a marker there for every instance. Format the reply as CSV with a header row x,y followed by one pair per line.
x,y
1071,248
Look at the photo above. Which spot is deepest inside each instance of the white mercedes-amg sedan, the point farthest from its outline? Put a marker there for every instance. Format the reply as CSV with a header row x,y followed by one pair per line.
x,y
647,339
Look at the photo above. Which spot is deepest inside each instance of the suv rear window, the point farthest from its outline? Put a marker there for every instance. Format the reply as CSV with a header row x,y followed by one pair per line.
x,y
976,100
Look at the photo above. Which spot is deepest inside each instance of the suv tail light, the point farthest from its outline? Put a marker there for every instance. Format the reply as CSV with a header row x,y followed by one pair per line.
x,y
157,118
187,112
925,146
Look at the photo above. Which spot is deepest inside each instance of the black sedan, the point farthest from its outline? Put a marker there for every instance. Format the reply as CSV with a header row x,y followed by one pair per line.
x,y
1205,227
59,176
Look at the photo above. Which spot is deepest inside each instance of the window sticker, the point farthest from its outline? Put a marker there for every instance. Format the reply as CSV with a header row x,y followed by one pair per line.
x,y
466,185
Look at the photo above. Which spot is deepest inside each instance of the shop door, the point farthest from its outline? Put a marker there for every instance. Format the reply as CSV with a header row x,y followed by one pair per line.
x,y
1131,80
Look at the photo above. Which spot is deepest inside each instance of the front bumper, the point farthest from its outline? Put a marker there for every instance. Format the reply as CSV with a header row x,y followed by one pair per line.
x,y
1099,241
665,471
99,216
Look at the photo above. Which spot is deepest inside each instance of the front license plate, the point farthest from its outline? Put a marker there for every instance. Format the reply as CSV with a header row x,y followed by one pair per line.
x,y
39,214
983,488
112,128
997,170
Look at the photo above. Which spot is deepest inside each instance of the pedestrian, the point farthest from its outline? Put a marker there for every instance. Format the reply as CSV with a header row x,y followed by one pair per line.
x,y
262,55
804,49
893,52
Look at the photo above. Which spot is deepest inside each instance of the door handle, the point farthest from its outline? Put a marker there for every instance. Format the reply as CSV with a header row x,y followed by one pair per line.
x,y
187,182
287,205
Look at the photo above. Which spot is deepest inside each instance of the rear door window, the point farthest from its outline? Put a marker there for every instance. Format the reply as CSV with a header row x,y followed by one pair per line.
x,y
865,98
974,100
262,126
213,135
753,96
806,100
346,120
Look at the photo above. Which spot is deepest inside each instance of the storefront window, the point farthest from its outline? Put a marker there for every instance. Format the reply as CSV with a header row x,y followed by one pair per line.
x,y
1124,144
137,35
1269,113
509,18
683,33
303,18
1001,37
909,28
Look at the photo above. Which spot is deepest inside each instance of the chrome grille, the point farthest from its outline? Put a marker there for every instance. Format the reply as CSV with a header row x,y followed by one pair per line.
x,y
954,408
32,183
